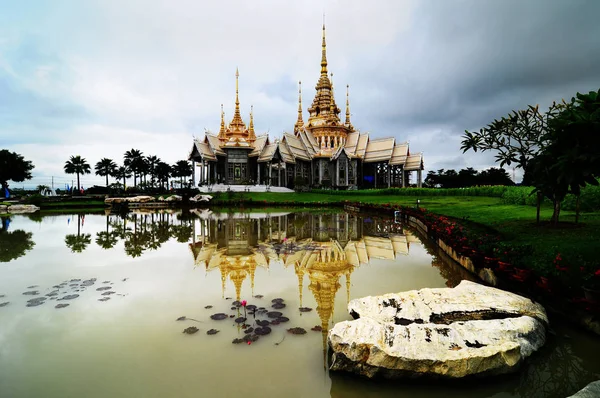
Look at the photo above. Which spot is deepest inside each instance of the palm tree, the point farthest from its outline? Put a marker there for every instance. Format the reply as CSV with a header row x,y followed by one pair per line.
x,y
106,167
78,243
182,169
152,162
77,165
163,172
123,172
132,160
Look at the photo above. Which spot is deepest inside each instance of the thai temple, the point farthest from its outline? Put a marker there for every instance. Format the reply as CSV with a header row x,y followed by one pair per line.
x,y
323,151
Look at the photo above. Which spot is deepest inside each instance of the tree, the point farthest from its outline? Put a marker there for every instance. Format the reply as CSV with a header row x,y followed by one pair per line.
x,y
77,165
163,172
494,176
516,138
152,162
572,159
123,173
134,160
105,168
182,169
13,167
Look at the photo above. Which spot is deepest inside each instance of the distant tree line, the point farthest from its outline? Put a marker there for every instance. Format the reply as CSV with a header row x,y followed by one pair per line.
x,y
468,177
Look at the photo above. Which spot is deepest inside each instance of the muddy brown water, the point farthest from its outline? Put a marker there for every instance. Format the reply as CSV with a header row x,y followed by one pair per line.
x,y
161,267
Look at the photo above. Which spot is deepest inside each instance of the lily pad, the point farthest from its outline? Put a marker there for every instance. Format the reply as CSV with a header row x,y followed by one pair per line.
x,y
296,331
250,338
233,308
35,302
104,299
108,293
263,323
212,331
61,305
274,314
277,300
262,331
227,298
258,296
275,322
248,330
251,307
237,303
69,297
31,293
282,319
32,286
89,282
278,306
317,328
106,282
4,304
237,341
240,320
208,307
75,280
305,309
191,330
104,288
218,317
52,294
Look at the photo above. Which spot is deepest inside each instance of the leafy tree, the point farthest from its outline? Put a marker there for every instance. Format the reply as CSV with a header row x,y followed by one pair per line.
x,y
182,169
13,167
105,168
572,159
77,165
494,176
133,159
516,138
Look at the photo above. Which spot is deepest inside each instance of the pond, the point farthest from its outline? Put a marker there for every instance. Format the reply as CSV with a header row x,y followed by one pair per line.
x,y
97,305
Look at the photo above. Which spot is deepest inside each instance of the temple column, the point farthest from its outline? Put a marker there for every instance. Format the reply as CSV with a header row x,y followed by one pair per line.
x,y
376,173
258,173
320,171
279,174
194,172
419,175
389,175
270,173
403,178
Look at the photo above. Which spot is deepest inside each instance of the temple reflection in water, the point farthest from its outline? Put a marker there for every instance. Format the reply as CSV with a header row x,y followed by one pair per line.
x,y
326,248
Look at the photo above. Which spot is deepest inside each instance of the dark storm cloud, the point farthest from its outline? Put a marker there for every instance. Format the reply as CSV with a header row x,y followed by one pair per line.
x,y
472,61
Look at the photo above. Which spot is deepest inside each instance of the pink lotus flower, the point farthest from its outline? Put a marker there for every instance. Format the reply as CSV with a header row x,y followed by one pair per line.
x,y
249,342
244,302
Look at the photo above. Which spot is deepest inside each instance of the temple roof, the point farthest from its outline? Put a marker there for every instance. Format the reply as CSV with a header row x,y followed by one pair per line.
x,y
379,150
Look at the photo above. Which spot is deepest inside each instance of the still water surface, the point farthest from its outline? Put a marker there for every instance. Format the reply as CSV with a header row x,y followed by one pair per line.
x,y
160,267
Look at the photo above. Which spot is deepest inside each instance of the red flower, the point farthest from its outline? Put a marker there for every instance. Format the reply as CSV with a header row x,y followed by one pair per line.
x,y
597,273
249,342
244,302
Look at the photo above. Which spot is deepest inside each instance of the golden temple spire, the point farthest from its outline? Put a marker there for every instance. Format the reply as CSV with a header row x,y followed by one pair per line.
x,y
348,124
222,129
324,53
251,134
332,102
299,122
237,124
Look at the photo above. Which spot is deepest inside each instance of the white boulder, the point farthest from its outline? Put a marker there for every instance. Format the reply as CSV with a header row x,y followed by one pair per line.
x,y
468,330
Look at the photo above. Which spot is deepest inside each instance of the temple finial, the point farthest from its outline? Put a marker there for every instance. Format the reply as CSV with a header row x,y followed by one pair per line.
x,y
251,134
332,102
348,123
222,129
324,52
237,98
237,124
299,123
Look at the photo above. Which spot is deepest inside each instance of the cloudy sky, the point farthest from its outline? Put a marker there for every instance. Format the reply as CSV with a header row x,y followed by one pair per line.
x,y
98,77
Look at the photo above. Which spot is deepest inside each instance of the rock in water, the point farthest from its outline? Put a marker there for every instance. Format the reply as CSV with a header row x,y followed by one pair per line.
x,y
451,333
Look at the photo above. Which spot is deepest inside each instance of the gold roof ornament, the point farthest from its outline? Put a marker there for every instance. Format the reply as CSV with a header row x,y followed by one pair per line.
x,y
222,129
299,123
348,123
237,127
251,134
